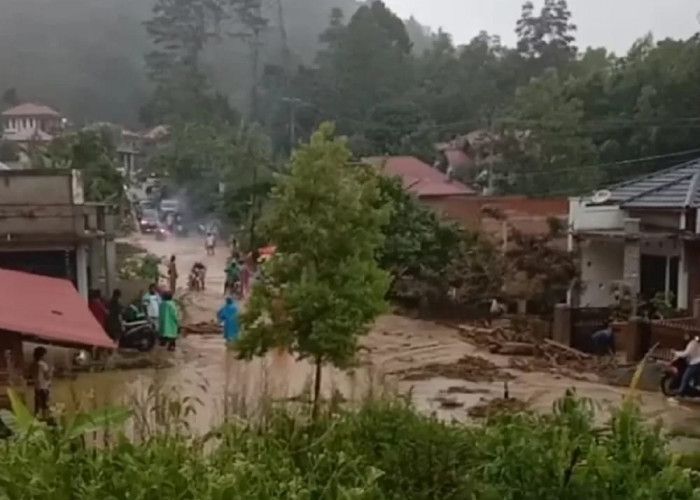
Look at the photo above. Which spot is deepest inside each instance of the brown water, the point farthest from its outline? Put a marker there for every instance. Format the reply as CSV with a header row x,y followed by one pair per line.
x,y
217,384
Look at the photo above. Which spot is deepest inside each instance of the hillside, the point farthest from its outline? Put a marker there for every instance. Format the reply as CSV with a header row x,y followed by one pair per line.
x,y
85,57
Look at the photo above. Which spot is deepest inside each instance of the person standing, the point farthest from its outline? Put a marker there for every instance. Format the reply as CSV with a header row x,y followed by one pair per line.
x,y
228,317
151,301
232,276
172,274
169,324
210,243
42,382
115,324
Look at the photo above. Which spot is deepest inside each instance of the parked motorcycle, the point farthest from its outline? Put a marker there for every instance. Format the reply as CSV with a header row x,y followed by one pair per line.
x,y
139,334
671,381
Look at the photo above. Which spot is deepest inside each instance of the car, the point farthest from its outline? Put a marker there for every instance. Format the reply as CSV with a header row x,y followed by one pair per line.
x,y
149,221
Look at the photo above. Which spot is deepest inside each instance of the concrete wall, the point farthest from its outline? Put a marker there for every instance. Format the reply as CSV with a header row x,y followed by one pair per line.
x,y
44,220
36,187
601,266
591,217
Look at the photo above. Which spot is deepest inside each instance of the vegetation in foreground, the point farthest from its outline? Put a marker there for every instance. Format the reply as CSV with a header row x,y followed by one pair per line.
x,y
382,451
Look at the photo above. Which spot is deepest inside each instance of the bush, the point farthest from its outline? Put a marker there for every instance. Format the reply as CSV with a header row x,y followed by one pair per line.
x,y
382,451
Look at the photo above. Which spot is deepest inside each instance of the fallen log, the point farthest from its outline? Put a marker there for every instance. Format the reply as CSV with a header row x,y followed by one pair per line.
x,y
569,350
514,349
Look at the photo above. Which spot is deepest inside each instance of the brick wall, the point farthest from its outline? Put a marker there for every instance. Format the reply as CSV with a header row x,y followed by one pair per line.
x,y
528,215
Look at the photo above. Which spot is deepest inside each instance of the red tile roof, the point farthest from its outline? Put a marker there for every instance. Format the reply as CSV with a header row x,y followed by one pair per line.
x,y
421,179
49,310
31,109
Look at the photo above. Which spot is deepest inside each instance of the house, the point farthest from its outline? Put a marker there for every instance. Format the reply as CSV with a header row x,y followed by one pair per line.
x,y
30,122
427,183
642,235
47,228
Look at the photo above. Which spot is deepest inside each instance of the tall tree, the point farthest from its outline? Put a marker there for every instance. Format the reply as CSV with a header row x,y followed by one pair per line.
x,y
180,30
323,287
546,40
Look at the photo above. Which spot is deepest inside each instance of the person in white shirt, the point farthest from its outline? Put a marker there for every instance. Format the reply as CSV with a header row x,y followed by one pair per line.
x,y
210,243
151,302
692,356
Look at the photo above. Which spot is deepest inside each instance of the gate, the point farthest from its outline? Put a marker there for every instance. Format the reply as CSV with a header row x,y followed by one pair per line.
x,y
585,322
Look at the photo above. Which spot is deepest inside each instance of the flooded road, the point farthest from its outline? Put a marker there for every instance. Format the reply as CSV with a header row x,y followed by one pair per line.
x,y
216,384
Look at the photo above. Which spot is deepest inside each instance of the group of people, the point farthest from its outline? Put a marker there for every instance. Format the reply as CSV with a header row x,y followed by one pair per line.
x,y
157,306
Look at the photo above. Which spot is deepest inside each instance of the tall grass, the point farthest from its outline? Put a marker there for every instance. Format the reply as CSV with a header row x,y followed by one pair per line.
x,y
382,450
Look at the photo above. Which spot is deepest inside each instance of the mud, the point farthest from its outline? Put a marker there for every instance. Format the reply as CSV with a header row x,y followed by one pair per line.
x,y
449,371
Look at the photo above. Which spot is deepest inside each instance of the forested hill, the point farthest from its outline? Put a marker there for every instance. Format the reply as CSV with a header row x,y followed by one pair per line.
x,y
86,56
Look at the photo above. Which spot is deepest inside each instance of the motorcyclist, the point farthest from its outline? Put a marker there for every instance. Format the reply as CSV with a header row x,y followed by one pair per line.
x,y
199,272
691,353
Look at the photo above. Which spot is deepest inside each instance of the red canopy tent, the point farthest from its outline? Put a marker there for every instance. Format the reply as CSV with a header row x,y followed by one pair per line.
x,y
47,310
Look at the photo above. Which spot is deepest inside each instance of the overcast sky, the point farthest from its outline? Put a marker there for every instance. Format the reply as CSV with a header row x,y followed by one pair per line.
x,y
615,24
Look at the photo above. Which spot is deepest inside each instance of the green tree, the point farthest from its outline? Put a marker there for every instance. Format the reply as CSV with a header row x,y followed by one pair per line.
x,y
546,40
324,287
180,31
92,152
547,140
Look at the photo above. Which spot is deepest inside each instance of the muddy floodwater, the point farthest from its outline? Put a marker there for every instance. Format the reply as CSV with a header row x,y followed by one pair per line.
x,y
216,383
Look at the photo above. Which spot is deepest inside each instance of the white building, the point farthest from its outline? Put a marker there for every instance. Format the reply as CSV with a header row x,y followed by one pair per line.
x,y
643,234
30,122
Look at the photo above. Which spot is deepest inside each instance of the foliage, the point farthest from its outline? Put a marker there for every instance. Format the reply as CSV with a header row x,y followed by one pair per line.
x,y
382,450
428,257
93,153
323,286
539,268
9,151
141,267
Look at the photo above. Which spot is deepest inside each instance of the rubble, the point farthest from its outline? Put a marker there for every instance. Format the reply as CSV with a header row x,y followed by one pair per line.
x,y
532,354
471,368
203,328
491,407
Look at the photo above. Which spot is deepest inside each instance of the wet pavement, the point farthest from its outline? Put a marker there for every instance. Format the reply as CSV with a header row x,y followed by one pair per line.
x,y
218,384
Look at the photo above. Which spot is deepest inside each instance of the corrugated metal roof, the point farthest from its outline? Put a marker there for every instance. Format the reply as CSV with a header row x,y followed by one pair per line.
x,y
676,187
48,309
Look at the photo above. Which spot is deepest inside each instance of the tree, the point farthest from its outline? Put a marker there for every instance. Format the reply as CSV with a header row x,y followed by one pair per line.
x,y
180,31
323,287
92,152
546,41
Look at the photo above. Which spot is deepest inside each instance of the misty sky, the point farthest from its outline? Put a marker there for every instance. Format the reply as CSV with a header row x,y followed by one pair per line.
x,y
615,24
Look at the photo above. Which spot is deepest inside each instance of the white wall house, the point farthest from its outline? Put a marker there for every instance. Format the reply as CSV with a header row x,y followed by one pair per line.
x,y
30,122
643,234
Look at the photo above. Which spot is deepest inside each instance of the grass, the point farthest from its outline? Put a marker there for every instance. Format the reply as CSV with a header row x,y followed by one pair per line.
x,y
381,450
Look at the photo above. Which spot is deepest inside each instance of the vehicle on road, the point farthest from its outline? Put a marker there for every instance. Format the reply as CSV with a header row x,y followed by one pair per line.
x,y
149,221
139,334
671,381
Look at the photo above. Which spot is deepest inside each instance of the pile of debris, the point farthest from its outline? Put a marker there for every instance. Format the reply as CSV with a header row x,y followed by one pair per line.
x,y
498,406
531,354
203,328
471,368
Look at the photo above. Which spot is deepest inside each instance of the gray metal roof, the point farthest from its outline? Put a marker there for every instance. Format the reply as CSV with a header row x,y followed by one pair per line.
x,y
676,187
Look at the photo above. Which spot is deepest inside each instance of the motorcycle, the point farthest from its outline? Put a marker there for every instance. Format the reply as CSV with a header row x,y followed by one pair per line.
x,y
139,334
161,234
671,381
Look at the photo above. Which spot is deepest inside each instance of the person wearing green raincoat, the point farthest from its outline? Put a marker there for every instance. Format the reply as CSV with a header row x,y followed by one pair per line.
x,y
169,324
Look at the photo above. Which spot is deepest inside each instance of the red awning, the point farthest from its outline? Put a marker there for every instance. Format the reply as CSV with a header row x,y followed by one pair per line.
x,y
49,310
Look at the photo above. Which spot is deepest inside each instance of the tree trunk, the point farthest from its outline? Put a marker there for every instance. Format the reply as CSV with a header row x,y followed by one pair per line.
x,y
317,389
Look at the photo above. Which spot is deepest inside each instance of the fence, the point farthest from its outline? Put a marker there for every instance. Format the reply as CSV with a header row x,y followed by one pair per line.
x,y
584,322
